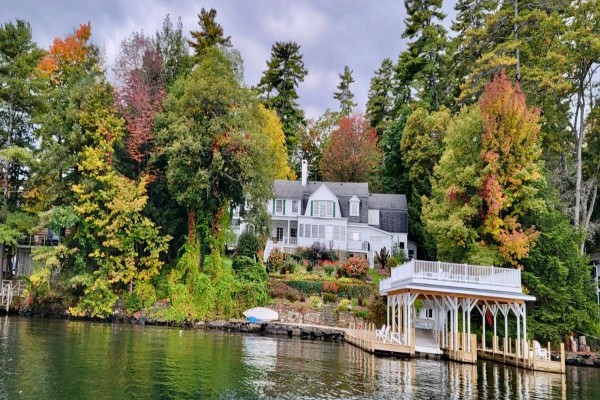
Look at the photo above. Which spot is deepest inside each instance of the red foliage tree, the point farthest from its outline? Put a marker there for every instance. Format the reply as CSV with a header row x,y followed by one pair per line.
x,y
351,153
140,93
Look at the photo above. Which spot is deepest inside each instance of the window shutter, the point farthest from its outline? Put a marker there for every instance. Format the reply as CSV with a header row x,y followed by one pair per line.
x,y
273,206
334,209
311,208
283,210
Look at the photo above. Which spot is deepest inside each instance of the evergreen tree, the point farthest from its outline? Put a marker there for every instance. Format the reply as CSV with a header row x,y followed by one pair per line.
x,y
278,87
380,100
174,50
423,65
209,35
344,95
19,101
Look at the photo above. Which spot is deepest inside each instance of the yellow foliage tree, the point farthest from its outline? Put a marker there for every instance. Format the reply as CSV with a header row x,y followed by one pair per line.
x,y
276,145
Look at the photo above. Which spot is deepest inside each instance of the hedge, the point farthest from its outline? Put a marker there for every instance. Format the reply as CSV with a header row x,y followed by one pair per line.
x,y
344,290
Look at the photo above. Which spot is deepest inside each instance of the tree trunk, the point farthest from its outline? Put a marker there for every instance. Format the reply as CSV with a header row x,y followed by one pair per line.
x,y
516,37
579,132
191,225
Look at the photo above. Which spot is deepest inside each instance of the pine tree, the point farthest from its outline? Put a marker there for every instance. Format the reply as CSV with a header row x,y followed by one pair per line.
x,y
380,101
173,48
278,87
209,35
344,95
424,64
19,102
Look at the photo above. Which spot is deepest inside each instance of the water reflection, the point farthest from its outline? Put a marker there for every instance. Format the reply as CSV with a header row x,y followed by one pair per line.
x,y
45,359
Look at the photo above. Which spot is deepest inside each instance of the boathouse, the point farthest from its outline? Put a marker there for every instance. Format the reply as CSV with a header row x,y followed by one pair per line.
x,y
429,309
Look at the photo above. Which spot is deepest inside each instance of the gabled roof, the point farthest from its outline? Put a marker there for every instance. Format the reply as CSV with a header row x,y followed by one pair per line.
x,y
294,189
387,202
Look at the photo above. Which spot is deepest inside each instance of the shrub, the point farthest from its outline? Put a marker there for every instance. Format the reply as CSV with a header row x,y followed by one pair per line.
x,y
329,267
357,267
317,253
254,272
280,290
382,257
247,245
340,272
355,291
307,287
361,312
289,266
377,309
275,260
393,262
330,287
240,263
329,297
383,272
146,294
344,305
314,302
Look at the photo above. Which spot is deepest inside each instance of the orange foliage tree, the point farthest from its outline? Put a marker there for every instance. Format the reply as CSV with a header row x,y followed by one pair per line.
x,y
488,179
67,52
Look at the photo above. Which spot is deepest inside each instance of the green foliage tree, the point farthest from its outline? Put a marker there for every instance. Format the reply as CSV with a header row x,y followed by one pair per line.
x,y
380,100
278,87
344,95
247,245
422,67
216,151
19,101
173,48
209,35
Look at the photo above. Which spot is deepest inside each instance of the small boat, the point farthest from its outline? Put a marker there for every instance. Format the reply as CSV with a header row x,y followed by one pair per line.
x,y
261,314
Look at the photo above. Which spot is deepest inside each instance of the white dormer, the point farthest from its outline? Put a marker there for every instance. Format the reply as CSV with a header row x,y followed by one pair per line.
x,y
354,206
323,204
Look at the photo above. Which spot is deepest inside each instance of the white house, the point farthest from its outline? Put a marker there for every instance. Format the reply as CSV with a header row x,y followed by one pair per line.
x,y
342,216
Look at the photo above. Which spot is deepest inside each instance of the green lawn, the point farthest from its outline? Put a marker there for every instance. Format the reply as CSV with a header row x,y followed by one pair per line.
x,y
375,276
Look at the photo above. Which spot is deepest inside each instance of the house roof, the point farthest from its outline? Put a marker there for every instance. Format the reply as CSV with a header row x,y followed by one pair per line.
x,y
294,189
387,201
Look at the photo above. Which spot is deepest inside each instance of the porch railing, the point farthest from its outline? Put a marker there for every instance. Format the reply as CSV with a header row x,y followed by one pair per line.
x,y
452,272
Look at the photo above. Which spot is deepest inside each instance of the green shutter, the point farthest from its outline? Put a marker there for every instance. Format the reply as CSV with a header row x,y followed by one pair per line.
x,y
273,206
334,209
311,208
283,208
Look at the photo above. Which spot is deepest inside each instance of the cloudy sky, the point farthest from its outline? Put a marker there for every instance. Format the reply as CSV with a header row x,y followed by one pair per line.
x,y
332,34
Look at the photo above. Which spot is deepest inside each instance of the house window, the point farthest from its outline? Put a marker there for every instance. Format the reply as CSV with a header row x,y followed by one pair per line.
x,y
323,209
236,212
301,230
295,206
315,231
321,232
339,233
307,230
356,236
279,233
354,209
278,206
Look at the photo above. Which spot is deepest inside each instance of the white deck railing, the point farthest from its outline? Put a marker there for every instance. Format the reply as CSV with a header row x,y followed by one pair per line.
x,y
451,272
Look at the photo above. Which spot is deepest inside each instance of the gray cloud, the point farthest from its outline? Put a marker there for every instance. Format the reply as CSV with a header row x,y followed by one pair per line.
x,y
332,34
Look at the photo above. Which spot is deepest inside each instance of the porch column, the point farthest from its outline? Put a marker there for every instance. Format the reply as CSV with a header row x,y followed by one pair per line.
x,y
288,233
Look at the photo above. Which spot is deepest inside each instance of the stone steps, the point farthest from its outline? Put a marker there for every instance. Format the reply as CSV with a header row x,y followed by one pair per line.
x,y
330,317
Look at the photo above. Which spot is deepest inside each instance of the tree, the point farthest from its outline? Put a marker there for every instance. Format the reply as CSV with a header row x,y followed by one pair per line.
x,y
19,101
487,180
139,71
344,95
278,86
422,67
394,171
209,35
421,147
174,50
380,101
351,153
119,244
312,143
217,154
274,130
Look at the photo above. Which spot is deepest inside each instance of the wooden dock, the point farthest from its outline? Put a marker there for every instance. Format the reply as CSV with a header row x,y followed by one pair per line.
x,y
461,348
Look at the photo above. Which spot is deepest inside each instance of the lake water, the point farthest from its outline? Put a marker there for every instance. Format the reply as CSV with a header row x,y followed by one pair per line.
x,y
57,359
